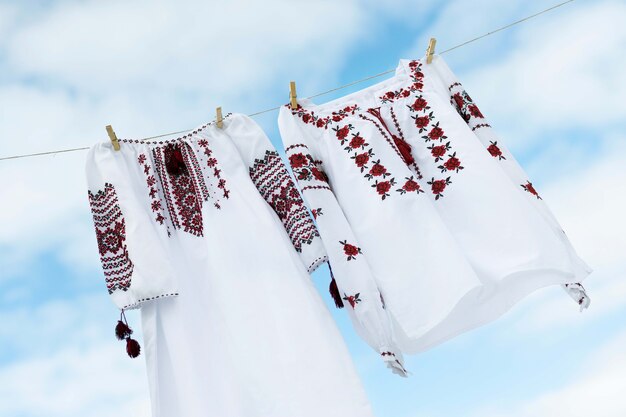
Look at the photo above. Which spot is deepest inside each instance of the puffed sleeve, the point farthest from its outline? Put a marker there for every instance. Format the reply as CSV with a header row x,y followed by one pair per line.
x,y
271,177
355,286
132,250
476,121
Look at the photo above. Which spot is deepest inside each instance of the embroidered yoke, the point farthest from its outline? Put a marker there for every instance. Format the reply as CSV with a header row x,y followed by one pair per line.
x,y
431,226
208,234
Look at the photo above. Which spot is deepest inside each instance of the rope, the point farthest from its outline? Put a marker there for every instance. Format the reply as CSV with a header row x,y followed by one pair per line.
x,y
332,90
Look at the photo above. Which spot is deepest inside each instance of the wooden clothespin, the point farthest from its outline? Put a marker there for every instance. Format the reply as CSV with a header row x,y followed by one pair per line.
x,y
113,137
218,118
292,95
431,50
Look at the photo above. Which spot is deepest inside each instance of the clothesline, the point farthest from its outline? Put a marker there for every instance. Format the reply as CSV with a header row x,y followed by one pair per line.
x,y
321,93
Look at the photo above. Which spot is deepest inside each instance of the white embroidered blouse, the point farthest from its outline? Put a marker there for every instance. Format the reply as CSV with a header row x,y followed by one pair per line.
x,y
430,225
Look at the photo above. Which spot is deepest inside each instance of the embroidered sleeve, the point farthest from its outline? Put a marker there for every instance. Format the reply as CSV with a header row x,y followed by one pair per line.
x,y
355,286
133,273
271,177
469,111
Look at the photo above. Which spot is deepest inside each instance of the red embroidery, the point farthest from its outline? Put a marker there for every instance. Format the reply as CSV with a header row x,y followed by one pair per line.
x,y
452,164
183,201
438,186
349,250
156,202
352,299
111,236
310,117
316,212
464,105
495,151
410,186
211,162
417,78
529,187
275,185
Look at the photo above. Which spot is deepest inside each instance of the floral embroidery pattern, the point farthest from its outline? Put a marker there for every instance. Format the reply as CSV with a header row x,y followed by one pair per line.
x,y
275,185
452,164
465,106
156,203
111,236
309,117
349,250
184,203
432,132
307,169
352,299
529,188
211,163
438,186
410,186
495,151
417,78
316,212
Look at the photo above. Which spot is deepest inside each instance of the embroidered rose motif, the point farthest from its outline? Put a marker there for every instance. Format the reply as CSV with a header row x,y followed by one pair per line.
x,y
356,142
452,164
349,250
419,104
473,109
438,186
435,133
495,151
361,159
352,299
378,170
410,186
319,175
342,133
306,118
320,123
438,151
458,100
422,122
297,160
383,187
529,187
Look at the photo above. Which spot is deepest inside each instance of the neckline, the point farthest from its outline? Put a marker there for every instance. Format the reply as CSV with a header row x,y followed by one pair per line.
x,y
371,96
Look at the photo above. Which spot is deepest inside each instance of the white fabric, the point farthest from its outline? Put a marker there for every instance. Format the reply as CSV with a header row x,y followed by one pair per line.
x,y
247,335
452,239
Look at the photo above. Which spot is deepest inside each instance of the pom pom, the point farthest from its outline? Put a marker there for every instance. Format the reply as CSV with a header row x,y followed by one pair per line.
x,y
122,331
334,292
132,347
174,162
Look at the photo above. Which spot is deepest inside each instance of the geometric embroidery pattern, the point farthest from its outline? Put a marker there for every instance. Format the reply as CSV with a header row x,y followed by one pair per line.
x,y
111,236
272,179
183,201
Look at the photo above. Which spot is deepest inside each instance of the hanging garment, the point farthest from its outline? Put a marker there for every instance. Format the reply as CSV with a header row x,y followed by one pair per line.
x,y
431,226
209,236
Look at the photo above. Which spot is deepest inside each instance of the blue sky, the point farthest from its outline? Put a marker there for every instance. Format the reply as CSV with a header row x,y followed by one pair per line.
x,y
552,87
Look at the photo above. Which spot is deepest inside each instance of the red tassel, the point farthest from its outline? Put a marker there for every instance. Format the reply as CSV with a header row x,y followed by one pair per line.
x,y
405,150
334,292
132,347
122,331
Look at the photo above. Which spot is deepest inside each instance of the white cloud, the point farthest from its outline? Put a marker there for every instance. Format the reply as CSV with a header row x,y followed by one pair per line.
x,y
99,381
597,390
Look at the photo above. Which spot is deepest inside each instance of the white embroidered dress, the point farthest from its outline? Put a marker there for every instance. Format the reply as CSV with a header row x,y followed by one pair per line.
x,y
209,236
431,226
